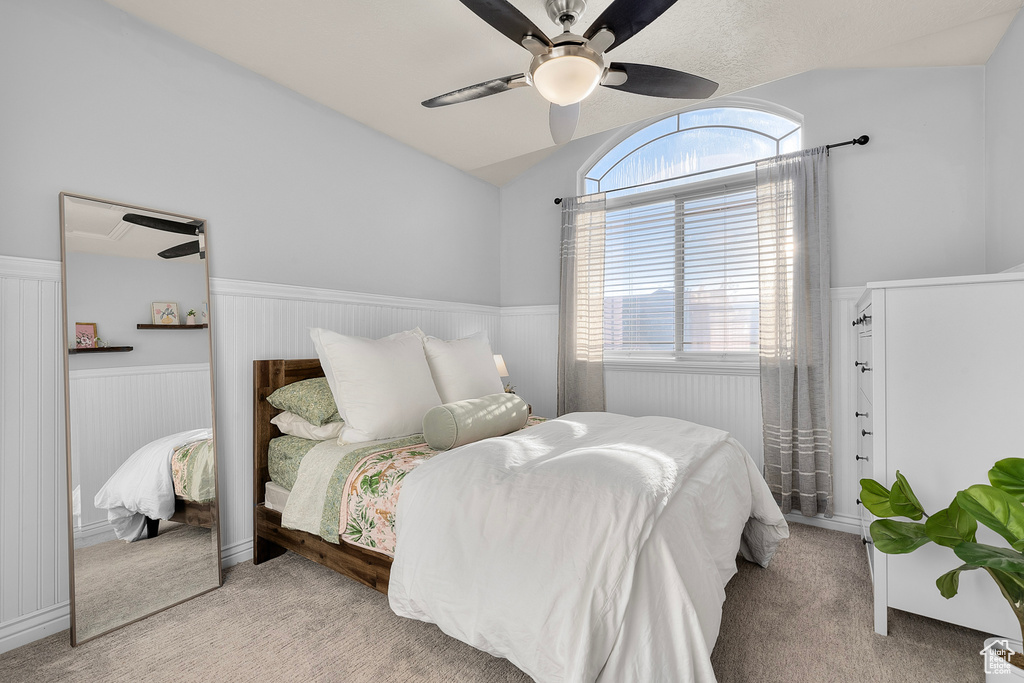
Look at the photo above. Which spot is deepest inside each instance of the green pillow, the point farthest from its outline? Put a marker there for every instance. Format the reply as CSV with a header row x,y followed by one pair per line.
x,y
310,399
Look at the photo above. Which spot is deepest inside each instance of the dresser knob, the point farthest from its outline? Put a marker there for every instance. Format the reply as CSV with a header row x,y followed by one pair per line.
x,y
858,502
860,414
861,457
865,432
858,363
865,368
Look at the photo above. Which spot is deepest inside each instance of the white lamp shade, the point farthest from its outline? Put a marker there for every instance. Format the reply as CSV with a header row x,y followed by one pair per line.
x,y
499,362
566,80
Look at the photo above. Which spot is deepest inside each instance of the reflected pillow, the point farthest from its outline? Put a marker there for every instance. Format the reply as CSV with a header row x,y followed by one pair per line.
x,y
382,387
293,425
463,368
310,399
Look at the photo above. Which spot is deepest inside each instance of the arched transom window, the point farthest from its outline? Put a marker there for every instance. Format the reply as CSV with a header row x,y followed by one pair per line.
x,y
680,267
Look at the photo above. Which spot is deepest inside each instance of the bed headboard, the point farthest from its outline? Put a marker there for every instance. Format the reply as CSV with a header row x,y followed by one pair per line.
x,y
267,377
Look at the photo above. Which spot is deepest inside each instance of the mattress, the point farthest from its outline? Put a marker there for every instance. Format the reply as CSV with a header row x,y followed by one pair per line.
x,y
276,496
284,456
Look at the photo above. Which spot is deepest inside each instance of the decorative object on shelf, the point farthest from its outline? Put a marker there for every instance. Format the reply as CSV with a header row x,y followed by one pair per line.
x,y
85,335
499,362
165,313
191,319
999,506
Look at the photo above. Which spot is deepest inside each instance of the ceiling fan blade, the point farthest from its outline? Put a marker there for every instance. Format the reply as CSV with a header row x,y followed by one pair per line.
x,y
657,81
563,122
475,92
626,18
178,227
185,249
503,16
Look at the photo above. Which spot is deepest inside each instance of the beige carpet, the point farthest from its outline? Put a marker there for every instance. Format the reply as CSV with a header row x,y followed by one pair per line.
x,y
806,618
116,582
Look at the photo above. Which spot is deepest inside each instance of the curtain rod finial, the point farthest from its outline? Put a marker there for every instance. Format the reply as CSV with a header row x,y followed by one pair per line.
x,y
862,140
558,200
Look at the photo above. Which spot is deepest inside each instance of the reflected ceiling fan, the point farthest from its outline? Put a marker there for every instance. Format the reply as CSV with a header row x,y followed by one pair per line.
x,y
194,228
566,69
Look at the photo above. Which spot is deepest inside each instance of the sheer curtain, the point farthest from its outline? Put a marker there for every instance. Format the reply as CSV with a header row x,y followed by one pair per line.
x,y
581,306
795,319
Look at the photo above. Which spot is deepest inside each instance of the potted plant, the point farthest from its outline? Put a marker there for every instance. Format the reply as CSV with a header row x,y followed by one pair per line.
x,y
999,506
191,320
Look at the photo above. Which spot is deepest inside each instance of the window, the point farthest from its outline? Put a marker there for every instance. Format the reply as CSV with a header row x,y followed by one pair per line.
x,y
680,270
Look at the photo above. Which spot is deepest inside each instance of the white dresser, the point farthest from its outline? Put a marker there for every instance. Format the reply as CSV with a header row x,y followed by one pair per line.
x,y
940,398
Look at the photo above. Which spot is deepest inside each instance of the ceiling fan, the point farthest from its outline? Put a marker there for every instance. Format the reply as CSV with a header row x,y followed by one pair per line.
x,y
566,69
194,228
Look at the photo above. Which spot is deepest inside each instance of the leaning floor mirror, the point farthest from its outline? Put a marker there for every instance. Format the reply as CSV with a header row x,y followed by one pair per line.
x,y
142,468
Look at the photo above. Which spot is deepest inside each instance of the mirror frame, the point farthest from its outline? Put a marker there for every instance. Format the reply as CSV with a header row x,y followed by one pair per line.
x,y
215,509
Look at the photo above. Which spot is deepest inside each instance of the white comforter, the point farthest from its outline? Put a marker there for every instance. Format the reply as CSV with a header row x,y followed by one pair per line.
x,y
142,486
592,547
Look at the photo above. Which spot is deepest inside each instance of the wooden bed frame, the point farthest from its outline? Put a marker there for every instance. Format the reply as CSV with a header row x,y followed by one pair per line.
x,y
186,512
269,538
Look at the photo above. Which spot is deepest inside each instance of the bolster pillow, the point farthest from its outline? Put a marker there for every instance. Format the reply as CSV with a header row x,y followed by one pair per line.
x,y
454,424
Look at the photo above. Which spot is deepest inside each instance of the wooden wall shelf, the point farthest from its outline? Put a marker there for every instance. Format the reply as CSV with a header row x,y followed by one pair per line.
x,y
103,349
143,326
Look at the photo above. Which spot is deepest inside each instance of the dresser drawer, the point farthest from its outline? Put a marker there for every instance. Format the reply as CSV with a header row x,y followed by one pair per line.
x,y
863,366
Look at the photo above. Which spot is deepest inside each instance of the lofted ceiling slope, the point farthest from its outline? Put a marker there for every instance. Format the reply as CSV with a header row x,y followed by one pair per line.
x,y
376,61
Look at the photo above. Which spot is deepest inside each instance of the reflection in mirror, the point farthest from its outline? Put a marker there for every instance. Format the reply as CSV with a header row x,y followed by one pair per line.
x,y
142,467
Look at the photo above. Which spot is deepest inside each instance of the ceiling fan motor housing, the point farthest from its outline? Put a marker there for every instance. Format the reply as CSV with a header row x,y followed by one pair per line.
x,y
565,11
568,72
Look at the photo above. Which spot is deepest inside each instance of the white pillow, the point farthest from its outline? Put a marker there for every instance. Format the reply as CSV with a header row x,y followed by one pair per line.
x,y
382,387
463,368
293,425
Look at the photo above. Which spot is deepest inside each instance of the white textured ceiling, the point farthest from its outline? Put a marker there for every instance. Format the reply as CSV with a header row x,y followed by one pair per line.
x,y
376,61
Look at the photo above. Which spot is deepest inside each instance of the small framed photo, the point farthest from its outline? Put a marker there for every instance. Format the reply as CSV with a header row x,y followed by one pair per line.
x,y
85,335
165,313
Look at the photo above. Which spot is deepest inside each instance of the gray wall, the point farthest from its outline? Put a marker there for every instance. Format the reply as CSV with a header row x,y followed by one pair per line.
x,y
1004,142
910,204
99,103
116,294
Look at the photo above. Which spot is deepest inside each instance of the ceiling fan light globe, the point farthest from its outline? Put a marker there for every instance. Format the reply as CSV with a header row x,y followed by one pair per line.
x,y
567,79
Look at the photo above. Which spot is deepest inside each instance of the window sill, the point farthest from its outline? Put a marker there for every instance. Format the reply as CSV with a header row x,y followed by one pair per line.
x,y
740,367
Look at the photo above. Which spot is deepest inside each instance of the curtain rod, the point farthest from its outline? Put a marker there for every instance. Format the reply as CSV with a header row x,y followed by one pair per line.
x,y
862,140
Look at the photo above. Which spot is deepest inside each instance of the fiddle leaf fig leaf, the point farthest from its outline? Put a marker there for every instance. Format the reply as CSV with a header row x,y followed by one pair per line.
x,y
897,538
875,498
991,557
1008,475
1012,585
951,527
903,500
996,509
949,583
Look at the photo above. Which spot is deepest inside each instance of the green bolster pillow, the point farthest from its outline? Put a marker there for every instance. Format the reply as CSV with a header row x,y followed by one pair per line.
x,y
454,424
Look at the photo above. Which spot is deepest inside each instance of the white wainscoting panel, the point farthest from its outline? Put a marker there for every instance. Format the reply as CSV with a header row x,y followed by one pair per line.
x,y
260,321
529,345
116,411
845,479
33,499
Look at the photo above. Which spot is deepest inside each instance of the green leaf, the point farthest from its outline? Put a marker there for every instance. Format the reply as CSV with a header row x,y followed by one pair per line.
x,y
949,583
897,538
1008,475
997,510
1011,585
875,498
951,527
982,555
903,500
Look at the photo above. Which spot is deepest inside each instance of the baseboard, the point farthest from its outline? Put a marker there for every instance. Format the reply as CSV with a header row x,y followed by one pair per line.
x,y
236,553
33,626
850,525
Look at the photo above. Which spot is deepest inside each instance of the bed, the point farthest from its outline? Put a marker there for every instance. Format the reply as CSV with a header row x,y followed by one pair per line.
x,y
170,478
634,553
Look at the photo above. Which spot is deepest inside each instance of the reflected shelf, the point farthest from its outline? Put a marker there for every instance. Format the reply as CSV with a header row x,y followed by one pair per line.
x,y
150,326
103,349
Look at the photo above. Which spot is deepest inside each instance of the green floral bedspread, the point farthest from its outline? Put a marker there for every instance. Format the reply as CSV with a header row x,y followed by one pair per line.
x,y
192,467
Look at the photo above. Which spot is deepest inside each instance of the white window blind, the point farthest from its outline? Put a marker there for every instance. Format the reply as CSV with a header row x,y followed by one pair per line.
x,y
681,273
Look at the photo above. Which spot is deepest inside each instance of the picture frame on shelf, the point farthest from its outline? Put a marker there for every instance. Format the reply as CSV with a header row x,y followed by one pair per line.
x,y
85,335
165,313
